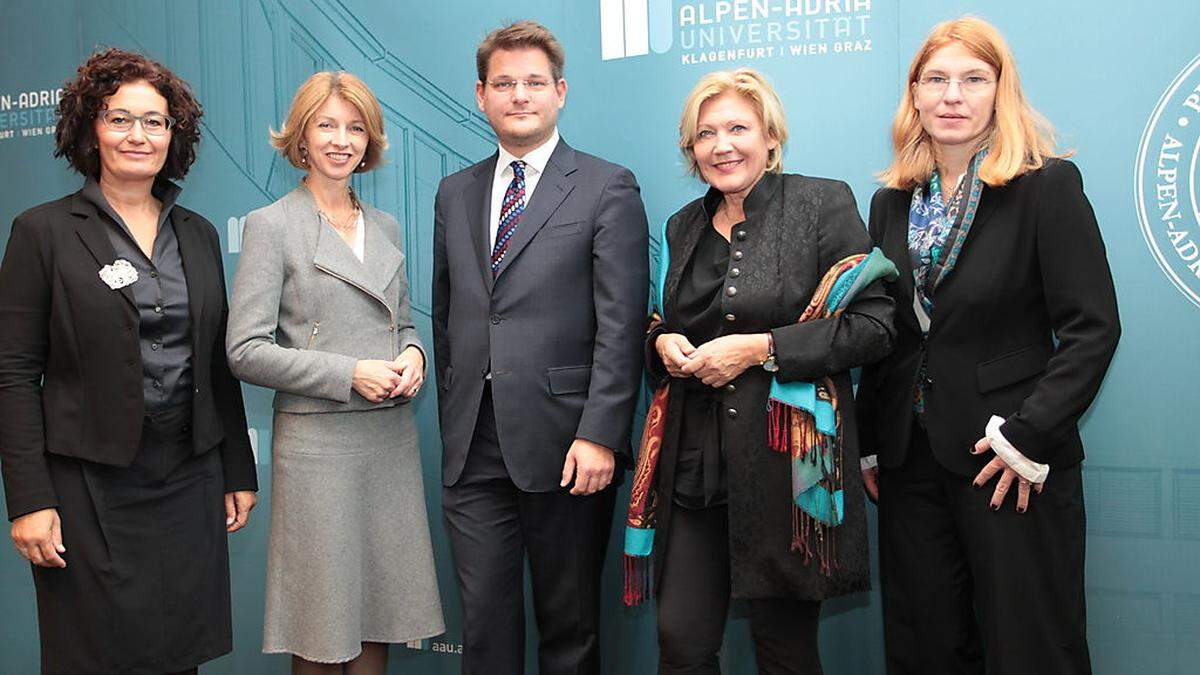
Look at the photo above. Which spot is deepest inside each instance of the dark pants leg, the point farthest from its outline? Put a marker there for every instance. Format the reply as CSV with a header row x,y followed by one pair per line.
x,y
929,622
785,636
693,602
693,599
492,526
1028,570
566,537
971,590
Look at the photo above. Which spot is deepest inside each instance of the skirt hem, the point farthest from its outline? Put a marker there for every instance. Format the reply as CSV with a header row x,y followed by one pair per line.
x,y
340,659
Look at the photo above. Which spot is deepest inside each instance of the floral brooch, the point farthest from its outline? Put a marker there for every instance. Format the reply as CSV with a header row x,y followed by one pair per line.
x,y
119,274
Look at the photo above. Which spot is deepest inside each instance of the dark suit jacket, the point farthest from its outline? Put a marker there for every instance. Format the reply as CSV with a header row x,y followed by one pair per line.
x,y
561,326
70,364
1024,327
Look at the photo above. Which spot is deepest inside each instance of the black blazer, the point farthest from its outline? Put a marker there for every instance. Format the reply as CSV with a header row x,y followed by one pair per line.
x,y
1024,327
70,364
560,327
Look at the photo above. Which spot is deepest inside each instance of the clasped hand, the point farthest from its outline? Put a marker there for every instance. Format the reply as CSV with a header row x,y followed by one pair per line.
x,y
716,362
377,380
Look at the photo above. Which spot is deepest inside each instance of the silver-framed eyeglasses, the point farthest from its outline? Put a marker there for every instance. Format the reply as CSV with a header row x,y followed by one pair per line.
x,y
155,124
509,86
938,84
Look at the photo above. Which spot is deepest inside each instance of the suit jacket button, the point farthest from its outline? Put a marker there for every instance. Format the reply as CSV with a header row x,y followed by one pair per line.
x,y
738,255
730,388
730,317
495,319
732,413
741,235
731,291
735,273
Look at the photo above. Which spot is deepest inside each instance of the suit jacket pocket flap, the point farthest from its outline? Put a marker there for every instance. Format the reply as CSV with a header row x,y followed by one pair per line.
x,y
1012,367
569,380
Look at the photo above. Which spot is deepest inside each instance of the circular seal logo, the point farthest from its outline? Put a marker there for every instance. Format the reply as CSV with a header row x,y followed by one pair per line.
x,y
1165,182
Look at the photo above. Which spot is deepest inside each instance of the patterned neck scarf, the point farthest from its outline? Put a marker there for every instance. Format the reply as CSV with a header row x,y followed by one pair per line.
x,y
937,229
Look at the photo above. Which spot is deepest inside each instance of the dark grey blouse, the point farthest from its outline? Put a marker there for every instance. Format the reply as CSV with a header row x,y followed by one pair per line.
x,y
160,292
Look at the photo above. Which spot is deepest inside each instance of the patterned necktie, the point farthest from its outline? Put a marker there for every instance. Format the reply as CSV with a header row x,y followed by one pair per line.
x,y
511,210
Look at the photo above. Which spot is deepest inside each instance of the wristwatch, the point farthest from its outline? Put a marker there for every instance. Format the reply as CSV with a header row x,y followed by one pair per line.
x,y
769,365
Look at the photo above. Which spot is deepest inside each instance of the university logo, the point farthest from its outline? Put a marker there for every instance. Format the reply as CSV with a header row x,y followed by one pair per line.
x,y
1165,182
631,27
742,31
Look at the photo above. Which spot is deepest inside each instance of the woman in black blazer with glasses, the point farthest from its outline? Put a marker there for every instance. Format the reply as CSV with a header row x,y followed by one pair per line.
x,y
1005,325
123,438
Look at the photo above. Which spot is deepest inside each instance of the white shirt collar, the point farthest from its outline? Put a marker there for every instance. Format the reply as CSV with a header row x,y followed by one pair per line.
x,y
535,159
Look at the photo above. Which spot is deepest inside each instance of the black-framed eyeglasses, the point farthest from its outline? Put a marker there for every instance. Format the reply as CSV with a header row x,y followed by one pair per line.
x,y
155,124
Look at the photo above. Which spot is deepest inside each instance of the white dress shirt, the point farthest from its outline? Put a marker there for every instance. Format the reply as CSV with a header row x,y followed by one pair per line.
x,y
535,164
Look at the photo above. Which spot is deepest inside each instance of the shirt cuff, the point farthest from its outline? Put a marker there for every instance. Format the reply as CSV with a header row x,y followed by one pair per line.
x,y
868,462
1025,467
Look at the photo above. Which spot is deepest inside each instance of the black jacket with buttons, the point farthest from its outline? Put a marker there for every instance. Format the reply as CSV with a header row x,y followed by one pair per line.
x,y
70,359
796,228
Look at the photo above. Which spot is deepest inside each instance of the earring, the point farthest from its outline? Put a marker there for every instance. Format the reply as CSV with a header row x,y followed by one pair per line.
x,y
303,155
362,164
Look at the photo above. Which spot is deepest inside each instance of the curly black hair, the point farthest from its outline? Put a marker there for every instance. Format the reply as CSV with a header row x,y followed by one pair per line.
x,y
100,77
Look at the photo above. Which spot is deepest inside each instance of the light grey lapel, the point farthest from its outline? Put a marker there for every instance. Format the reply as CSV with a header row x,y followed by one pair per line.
x,y
380,256
335,258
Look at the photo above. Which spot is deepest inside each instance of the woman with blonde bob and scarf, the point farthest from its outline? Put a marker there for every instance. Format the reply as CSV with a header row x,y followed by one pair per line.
x,y
1006,322
767,295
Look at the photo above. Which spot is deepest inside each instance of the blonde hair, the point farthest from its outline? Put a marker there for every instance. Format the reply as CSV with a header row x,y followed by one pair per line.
x,y
748,83
1020,139
313,94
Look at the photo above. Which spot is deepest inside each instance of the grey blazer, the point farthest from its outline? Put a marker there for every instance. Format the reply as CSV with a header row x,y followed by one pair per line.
x,y
305,310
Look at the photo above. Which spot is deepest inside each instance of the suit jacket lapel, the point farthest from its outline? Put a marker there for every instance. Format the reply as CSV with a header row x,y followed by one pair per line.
x,y
988,198
91,231
552,189
895,247
479,209
194,252
335,258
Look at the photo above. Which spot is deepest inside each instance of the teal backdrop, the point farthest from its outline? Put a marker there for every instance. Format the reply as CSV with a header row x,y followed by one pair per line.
x,y
1119,79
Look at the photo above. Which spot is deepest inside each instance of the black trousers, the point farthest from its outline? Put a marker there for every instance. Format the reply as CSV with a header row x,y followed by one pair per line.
x,y
970,590
492,526
693,602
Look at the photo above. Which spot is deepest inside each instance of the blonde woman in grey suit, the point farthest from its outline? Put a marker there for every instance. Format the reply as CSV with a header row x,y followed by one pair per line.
x,y
320,314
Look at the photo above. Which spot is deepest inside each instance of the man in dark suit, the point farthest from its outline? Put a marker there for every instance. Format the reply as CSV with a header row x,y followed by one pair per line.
x,y
539,299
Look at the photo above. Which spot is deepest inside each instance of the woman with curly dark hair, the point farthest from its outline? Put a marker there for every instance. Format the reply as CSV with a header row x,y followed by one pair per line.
x,y
123,441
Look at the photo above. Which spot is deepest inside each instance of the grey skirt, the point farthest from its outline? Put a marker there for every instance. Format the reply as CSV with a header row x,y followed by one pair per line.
x,y
349,558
